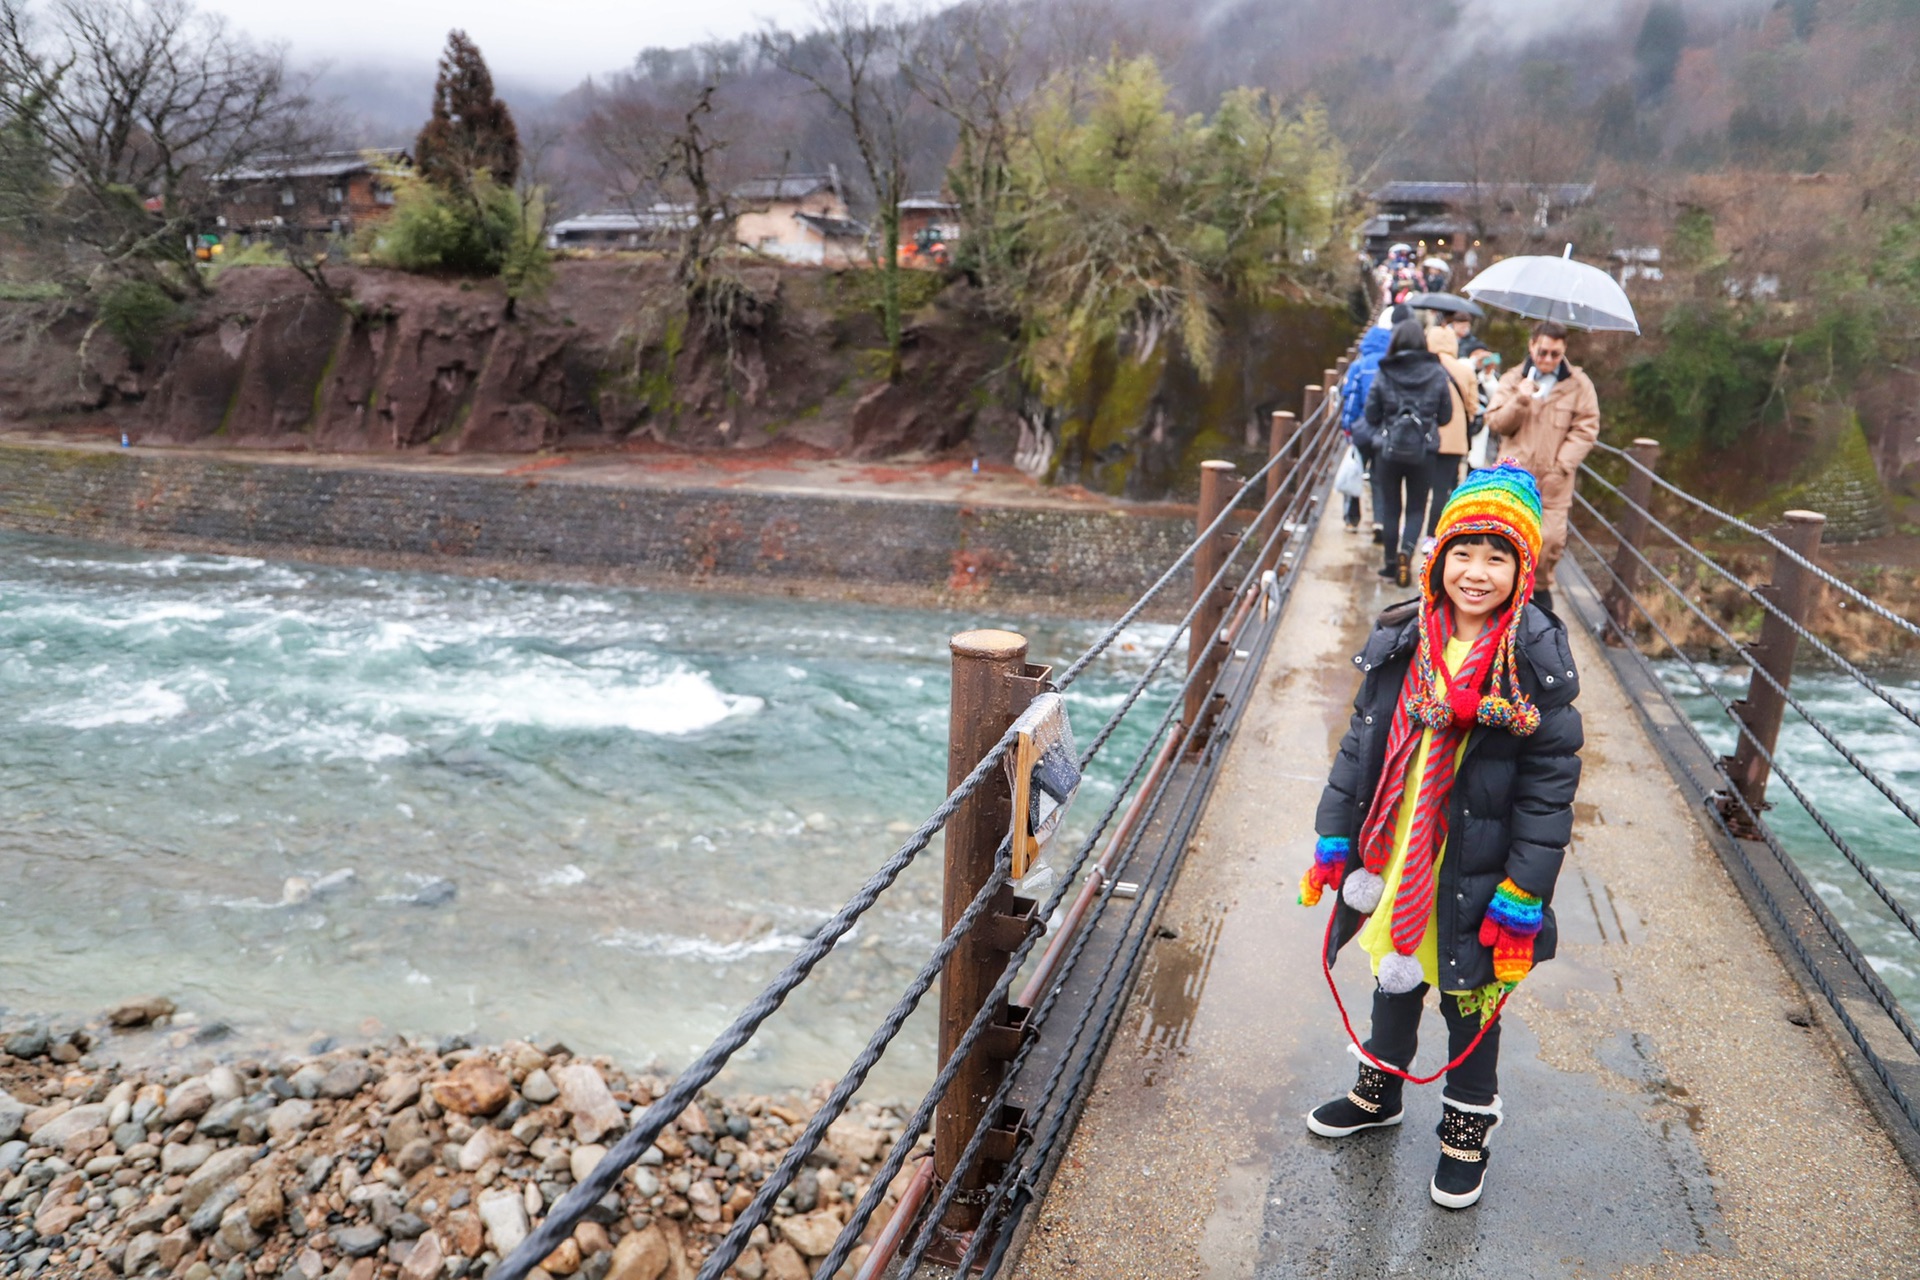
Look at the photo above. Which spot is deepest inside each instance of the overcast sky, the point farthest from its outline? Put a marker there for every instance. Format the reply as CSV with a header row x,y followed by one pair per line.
x,y
555,43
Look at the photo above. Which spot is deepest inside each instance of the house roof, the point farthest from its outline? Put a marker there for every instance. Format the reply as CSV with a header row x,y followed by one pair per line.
x,y
325,164
792,186
660,217
933,203
834,228
1559,193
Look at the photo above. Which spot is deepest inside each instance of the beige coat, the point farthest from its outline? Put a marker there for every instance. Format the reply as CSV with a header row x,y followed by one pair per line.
x,y
1549,437
1445,343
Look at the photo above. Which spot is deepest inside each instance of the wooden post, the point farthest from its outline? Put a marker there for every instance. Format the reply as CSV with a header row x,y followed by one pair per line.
x,y
1203,648
1280,435
991,687
1791,591
1633,537
1310,400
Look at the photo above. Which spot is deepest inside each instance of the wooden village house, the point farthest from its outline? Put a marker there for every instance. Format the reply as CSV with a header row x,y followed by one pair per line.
x,y
325,196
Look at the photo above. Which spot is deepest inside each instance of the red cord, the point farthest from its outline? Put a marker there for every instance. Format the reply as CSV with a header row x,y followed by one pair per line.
x,y
1347,1022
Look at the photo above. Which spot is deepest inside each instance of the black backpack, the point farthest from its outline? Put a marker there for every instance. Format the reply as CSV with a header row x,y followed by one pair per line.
x,y
1410,438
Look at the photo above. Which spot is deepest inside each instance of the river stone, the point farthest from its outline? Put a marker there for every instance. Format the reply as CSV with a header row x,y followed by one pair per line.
x,y
222,1119
220,1169
359,1242
306,1081
152,1215
225,1084
12,1155
205,1220
474,1088
236,1233
188,1101
538,1088
13,1114
586,1097
414,1157
505,1215
641,1255
425,1260
128,1136
581,1163
295,1115
32,1042
184,1157
142,1252
812,1234
345,1079
56,1133
138,1013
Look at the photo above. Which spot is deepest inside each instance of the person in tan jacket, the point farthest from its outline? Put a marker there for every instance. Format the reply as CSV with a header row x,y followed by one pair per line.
x,y
1445,343
1547,415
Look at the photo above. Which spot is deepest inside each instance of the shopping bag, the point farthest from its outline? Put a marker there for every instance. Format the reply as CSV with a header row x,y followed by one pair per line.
x,y
1350,479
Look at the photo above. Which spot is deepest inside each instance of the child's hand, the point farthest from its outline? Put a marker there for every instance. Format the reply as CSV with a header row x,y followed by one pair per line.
x,y
1512,922
1329,864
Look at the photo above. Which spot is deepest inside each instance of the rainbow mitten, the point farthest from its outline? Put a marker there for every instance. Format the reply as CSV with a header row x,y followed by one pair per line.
x,y
1511,924
1329,861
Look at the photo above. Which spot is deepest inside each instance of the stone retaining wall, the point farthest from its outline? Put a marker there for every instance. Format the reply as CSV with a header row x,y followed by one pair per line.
x,y
907,551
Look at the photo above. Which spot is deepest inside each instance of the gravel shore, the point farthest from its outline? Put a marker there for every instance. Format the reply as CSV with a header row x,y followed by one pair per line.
x,y
392,1160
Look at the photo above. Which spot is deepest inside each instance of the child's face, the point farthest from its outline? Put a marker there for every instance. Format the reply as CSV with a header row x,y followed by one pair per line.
x,y
1478,578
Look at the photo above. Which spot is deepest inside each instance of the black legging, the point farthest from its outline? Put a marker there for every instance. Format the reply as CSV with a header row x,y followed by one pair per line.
x,y
1400,501
1396,1034
1446,474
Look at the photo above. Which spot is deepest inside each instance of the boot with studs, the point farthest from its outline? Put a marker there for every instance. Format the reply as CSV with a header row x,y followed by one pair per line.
x,y
1463,1130
1372,1103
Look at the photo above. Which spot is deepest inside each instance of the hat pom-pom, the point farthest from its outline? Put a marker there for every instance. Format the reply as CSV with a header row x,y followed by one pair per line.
x,y
1362,890
1399,974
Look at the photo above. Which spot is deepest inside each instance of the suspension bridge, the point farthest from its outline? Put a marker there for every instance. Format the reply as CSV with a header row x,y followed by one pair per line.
x,y
1712,1078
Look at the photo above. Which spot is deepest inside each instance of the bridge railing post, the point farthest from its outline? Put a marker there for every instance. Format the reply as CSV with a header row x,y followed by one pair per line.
x,y
1633,537
1310,399
992,685
1280,433
1792,591
1204,653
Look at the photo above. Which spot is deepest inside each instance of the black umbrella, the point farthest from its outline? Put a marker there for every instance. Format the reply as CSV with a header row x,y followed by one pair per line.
x,y
1452,302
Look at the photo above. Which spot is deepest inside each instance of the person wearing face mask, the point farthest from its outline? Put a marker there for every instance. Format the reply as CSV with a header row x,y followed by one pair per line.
x,y
1546,416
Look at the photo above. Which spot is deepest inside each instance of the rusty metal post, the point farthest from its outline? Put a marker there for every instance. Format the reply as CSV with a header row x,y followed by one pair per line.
x,y
1633,537
1203,642
1310,399
1791,591
1280,437
992,685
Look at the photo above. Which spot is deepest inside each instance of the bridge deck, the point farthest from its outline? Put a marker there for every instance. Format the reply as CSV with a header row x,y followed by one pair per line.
x,y
1664,1114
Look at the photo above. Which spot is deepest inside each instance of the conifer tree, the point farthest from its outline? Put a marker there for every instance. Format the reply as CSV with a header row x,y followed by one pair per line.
x,y
470,129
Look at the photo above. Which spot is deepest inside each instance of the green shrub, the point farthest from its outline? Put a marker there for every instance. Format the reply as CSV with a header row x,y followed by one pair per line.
x,y
136,312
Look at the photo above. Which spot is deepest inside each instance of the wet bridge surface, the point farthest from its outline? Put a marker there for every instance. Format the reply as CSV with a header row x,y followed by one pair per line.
x,y
1673,1106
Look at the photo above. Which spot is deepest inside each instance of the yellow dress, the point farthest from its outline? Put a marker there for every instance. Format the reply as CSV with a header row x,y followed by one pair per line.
x,y
1376,935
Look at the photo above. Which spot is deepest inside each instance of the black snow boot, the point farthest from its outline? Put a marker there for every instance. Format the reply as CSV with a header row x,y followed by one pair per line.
x,y
1462,1172
1372,1103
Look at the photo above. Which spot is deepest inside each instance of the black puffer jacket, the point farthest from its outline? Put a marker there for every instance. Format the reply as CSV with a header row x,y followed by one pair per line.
x,y
1411,377
1511,810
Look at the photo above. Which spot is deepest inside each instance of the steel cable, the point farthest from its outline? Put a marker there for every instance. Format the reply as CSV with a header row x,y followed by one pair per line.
x,y
1015,1182
850,1234
1860,677
1866,771
1844,943
761,1207
1843,587
1139,606
1839,842
567,1212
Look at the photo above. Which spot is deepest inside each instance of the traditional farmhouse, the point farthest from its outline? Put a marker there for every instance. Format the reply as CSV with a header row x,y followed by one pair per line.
x,y
330,195
1432,216
799,218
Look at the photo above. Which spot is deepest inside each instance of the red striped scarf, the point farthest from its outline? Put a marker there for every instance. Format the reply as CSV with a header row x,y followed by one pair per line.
x,y
1413,901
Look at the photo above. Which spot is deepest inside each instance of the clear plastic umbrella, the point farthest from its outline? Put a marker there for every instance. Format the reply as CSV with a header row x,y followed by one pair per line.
x,y
1542,288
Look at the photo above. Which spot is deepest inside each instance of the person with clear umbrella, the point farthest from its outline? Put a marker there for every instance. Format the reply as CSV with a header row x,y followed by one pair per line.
x,y
1546,415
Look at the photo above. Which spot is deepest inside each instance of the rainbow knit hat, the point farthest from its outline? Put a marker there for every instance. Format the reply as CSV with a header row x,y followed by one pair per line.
x,y
1503,500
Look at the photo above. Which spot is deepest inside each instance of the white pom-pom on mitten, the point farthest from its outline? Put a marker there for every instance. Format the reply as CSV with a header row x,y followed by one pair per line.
x,y
1362,890
1399,974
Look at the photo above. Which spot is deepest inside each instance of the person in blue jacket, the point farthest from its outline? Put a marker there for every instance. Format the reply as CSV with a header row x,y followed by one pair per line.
x,y
1353,401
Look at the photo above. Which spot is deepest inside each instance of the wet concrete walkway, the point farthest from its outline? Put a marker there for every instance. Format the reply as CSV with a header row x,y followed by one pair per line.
x,y
1666,1114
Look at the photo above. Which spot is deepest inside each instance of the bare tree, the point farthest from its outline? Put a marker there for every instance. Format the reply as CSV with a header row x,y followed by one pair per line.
x,y
140,107
856,62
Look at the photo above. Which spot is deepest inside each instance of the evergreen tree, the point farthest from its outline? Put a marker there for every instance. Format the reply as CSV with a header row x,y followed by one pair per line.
x,y
470,129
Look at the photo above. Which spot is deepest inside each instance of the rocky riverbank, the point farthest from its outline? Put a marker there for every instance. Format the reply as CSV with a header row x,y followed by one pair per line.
x,y
387,1162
